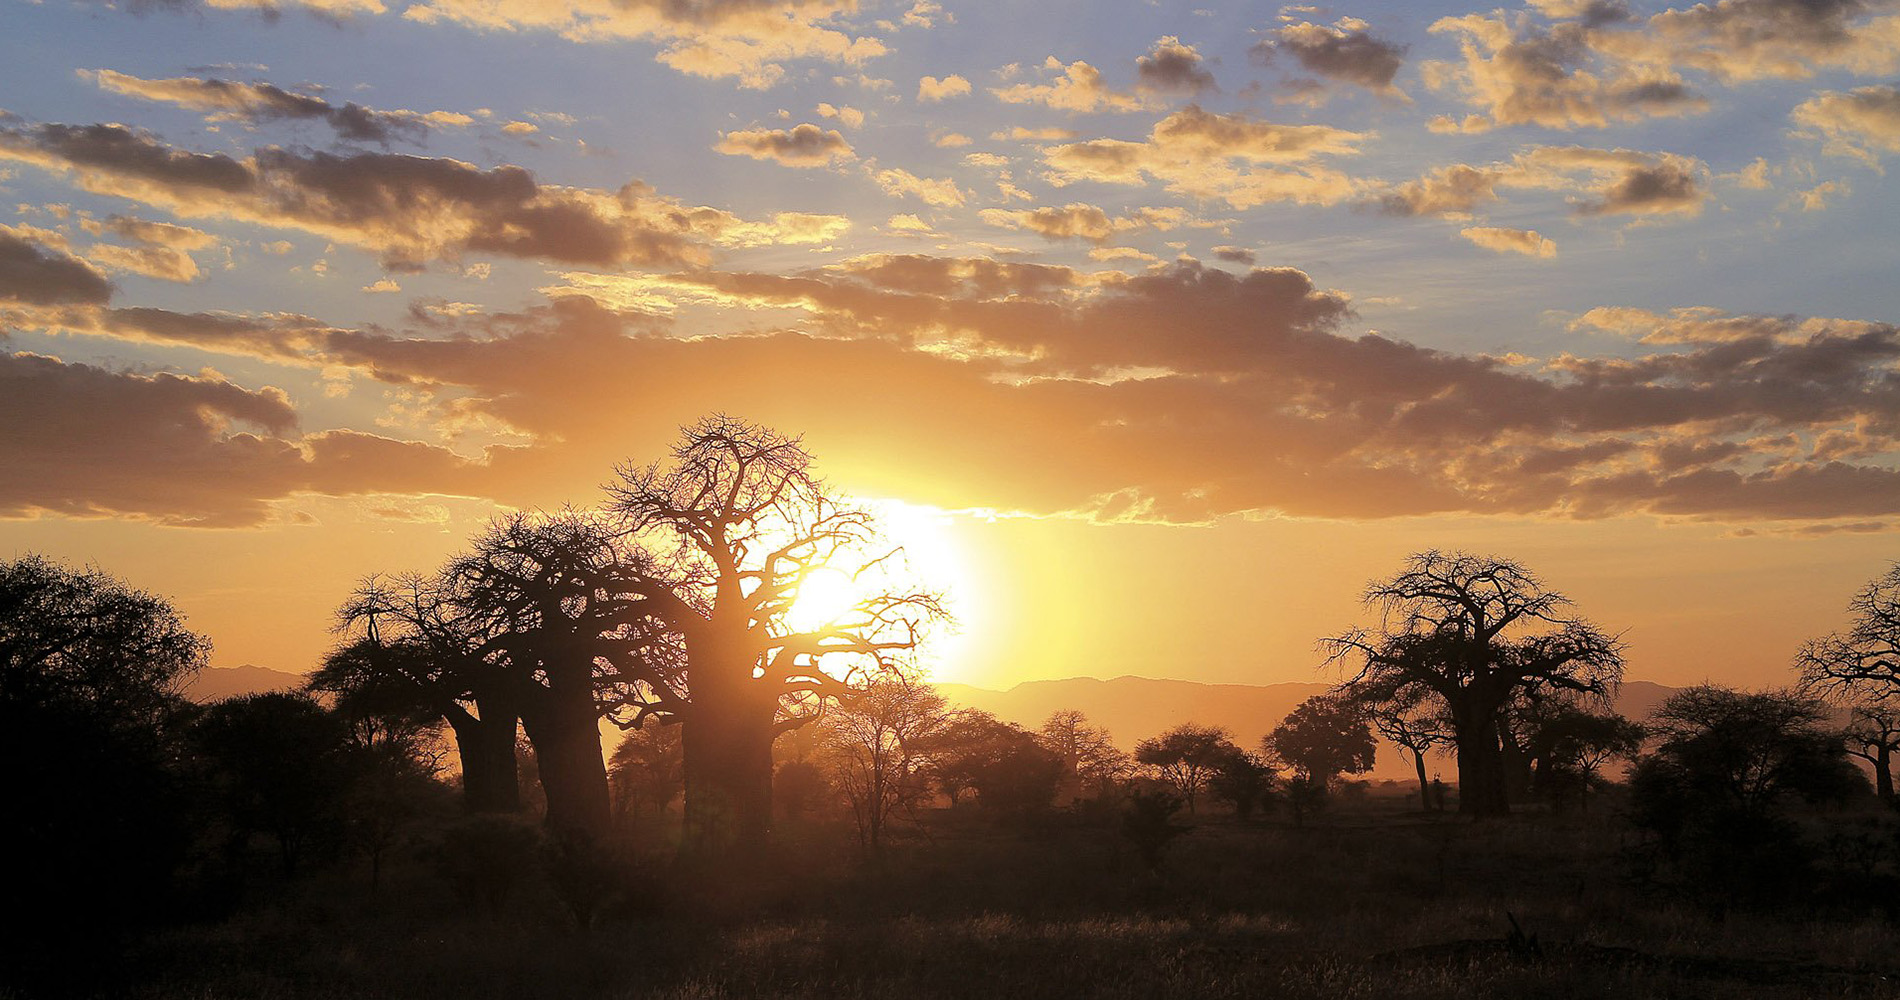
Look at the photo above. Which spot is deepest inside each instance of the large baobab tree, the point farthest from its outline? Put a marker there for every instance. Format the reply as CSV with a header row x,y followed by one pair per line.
x,y
742,523
415,649
1474,632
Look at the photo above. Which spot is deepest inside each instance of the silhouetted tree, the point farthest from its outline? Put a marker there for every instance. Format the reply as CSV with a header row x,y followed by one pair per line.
x,y
1714,791
563,605
877,746
1186,757
419,649
746,522
83,638
99,812
1323,737
279,762
1010,771
1149,825
1744,751
1091,763
1568,746
1864,659
1873,735
1474,631
1860,668
1244,781
1414,728
647,771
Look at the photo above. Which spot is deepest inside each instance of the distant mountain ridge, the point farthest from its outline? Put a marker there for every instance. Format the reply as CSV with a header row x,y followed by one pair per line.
x,y
214,683
1135,708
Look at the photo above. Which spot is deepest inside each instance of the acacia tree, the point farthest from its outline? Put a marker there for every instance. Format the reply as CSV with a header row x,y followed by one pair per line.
x,y
1187,757
1473,632
1416,729
743,522
879,745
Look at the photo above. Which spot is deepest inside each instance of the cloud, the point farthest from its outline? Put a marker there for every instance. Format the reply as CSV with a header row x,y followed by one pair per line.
x,y
227,100
1082,221
1077,88
180,449
748,40
1862,124
1070,221
1525,241
900,183
1518,73
150,233
1739,40
1346,52
805,145
32,272
1450,192
1236,255
1630,182
161,263
1610,182
408,209
931,89
849,117
1174,69
1236,158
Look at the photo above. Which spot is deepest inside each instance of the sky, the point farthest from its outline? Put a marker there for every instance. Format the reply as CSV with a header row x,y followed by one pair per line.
x,y
1156,331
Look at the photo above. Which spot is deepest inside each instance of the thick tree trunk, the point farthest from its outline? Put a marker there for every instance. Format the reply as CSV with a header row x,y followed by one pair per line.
x,y
567,754
1481,775
1424,793
491,779
728,761
1883,773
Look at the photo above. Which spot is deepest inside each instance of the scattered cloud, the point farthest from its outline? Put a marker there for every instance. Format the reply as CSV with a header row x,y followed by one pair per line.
x,y
805,145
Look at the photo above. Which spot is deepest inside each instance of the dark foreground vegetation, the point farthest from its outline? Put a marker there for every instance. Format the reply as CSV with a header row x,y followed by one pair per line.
x,y
789,811
1373,900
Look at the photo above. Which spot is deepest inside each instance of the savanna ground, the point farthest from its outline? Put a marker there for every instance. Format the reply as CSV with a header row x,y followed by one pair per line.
x,y
1371,899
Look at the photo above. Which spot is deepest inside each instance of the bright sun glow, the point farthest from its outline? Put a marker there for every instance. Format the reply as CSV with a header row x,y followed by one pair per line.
x,y
932,558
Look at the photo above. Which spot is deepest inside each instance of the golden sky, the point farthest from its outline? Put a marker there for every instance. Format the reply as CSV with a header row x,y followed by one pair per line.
x,y
1156,330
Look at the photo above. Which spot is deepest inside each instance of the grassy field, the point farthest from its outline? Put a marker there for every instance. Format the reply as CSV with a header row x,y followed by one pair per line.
x,y
1369,900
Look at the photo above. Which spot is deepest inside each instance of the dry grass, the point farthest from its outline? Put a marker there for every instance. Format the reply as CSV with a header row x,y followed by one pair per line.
x,y
1370,902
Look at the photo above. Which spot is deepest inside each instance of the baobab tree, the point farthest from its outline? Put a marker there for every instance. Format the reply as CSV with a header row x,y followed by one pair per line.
x,y
415,649
1473,632
563,602
742,523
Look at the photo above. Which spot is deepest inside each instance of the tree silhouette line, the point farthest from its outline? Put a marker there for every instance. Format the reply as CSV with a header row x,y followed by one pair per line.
x,y
462,701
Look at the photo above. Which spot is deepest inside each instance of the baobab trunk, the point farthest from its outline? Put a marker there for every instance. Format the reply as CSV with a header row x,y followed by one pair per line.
x,y
491,780
727,741
1883,773
1480,767
567,751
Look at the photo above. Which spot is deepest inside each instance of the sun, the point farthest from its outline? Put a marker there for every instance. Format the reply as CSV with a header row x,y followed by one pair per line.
x,y
927,554
825,597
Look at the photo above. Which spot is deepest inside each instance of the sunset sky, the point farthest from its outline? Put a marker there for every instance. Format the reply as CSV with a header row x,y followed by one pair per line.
x,y
1155,329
